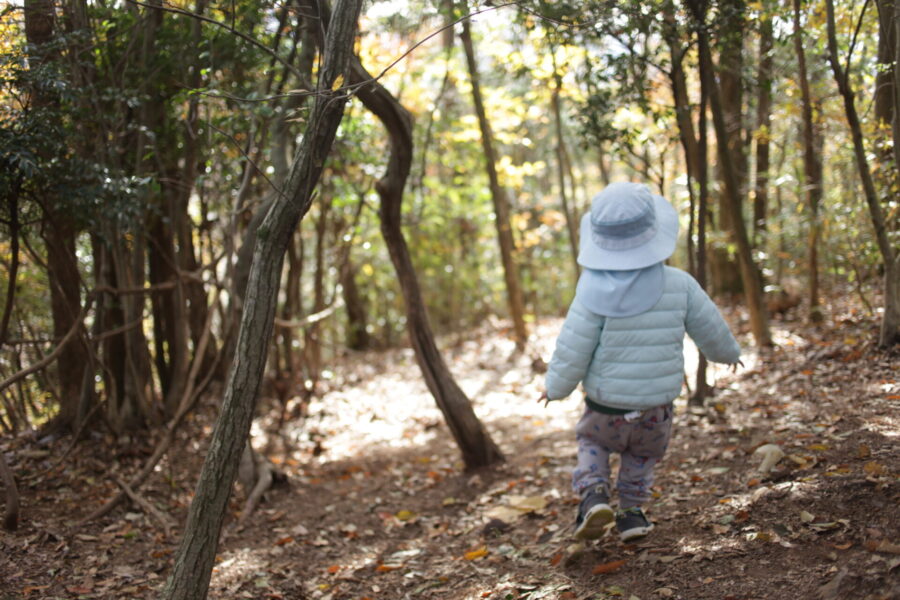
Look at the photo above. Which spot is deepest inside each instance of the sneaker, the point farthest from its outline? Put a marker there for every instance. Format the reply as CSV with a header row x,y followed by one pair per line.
x,y
594,513
632,524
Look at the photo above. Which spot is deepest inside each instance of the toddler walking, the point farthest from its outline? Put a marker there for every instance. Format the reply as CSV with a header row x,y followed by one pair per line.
x,y
623,339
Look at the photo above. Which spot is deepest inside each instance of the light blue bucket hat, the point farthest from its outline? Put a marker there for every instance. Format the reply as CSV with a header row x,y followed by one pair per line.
x,y
627,228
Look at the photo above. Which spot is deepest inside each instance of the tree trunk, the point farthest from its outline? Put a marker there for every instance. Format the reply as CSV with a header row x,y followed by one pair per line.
x,y
763,128
812,170
884,78
193,563
571,220
752,282
59,233
702,388
357,314
499,196
726,278
890,324
475,444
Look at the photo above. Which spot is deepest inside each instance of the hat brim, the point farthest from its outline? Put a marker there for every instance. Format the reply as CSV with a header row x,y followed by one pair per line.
x,y
657,249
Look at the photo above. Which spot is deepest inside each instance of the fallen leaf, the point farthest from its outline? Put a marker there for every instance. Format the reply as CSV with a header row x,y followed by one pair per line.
x,y
476,554
874,468
818,447
664,592
556,559
334,569
285,540
829,591
503,513
806,517
863,451
79,589
885,546
844,546
610,567
405,515
527,503
387,568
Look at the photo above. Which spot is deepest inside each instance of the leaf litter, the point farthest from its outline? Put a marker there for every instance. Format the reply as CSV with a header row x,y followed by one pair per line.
x,y
378,505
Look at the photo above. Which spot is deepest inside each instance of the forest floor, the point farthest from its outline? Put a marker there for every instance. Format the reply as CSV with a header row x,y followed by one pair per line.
x,y
377,506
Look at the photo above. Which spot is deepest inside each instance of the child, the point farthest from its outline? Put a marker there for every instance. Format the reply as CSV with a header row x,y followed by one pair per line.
x,y
623,338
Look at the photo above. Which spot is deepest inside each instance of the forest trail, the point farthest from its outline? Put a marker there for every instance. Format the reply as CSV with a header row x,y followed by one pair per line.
x,y
377,505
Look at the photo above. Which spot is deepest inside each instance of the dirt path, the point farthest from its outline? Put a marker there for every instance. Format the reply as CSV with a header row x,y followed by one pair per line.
x,y
378,507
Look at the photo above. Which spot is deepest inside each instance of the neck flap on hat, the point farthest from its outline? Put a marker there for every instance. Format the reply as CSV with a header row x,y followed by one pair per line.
x,y
620,293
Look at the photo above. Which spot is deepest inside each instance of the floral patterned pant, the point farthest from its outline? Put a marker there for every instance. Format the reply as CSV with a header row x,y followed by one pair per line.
x,y
641,440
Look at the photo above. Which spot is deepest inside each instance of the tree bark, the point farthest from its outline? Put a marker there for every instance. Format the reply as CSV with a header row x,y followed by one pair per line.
x,y
571,220
475,444
763,127
193,563
812,169
59,232
752,281
499,196
890,323
726,279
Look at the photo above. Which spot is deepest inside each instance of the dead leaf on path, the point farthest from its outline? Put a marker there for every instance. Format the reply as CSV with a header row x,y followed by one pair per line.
x,y
818,447
387,568
610,567
806,517
285,540
829,591
882,546
664,592
863,451
476,554
843,546
874,468
527,503
503,513
556,558
405,515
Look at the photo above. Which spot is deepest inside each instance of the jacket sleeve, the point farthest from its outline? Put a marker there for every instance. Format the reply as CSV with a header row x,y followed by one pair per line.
x,y
705,325
575,347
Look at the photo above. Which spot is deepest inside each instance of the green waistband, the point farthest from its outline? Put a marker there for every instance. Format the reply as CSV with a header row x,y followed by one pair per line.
x,y
606,410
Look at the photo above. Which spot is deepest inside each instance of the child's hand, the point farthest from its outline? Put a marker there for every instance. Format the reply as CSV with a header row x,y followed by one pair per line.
x,y
545,399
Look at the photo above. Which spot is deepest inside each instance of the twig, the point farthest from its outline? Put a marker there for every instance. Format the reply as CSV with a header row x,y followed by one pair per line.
x,y
148,508
311,319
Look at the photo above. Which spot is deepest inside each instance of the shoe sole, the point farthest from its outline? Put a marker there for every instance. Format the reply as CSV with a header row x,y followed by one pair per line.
x,y
595,522
635,533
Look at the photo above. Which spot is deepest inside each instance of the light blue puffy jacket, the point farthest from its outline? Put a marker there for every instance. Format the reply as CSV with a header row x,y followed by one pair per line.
x,y
635,363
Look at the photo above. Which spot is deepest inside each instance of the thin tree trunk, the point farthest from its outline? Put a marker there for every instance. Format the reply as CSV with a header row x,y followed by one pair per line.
x,y
701,387
726,278
59,230
812,169
475,444
890,324
11,512
193,563
752,282
571,222
763,129
499,196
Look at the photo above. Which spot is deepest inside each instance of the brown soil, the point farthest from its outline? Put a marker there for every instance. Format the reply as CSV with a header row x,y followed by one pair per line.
x,y
378,506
